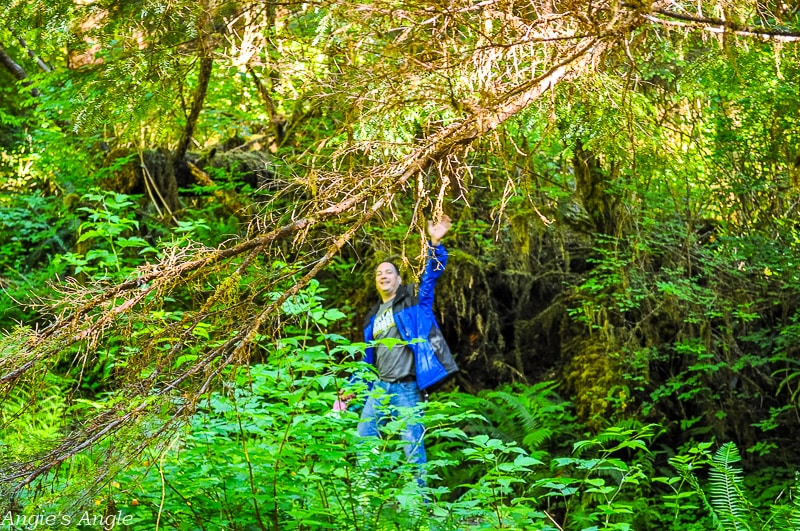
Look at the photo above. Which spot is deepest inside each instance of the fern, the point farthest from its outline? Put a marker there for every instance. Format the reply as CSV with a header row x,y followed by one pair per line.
x,y
726,502
724,498
519,420
528,416
787,516
727,499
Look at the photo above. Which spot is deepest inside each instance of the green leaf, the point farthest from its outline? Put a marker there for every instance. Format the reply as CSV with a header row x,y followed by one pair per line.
x,y
89,234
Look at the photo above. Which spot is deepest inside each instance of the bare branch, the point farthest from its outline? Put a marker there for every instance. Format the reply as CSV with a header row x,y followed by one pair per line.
x,y
39,61
716,25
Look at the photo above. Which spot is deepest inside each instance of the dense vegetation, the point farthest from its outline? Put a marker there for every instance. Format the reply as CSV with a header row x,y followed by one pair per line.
x,y
193,196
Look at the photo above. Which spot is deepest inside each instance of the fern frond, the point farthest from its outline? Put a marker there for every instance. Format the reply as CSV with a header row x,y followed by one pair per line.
x,y
794,514
521,417
518,408
727,499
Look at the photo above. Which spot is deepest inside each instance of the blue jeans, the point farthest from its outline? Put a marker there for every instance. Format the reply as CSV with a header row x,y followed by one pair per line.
x,y
384,401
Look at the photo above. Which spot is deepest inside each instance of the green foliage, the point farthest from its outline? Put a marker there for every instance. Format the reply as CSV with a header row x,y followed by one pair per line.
x,y
109,235
527,415
727,505
660,285
266,448
42,408
605,475
268,451
33,230
31,233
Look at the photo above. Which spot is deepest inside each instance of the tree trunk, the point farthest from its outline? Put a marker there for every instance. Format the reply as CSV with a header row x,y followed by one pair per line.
x,y
12,66
205,50
16,70
592,186
199,98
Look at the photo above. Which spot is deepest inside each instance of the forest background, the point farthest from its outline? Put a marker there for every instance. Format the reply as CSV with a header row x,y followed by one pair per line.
x,y
195,194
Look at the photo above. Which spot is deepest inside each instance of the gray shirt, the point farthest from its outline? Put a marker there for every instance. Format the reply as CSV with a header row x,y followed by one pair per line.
x,y
395,362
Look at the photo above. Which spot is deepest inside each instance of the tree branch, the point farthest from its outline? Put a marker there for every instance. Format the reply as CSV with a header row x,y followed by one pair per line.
x,y
16,70
278,122
724,26
198,100
12,66
44,66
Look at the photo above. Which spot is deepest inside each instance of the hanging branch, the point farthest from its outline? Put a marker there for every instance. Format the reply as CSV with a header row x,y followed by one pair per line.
x,y
578,38
278,123
716,25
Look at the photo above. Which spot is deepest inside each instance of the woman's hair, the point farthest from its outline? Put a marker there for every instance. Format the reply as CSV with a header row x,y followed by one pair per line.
x,y
393,264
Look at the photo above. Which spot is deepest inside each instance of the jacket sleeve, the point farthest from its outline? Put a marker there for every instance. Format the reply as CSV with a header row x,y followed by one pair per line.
x,y
437,260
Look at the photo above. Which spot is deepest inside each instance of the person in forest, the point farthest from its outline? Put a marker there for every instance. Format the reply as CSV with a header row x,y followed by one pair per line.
x,y
418,359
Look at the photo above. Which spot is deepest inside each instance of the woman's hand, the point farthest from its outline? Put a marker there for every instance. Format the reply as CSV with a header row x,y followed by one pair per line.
x,y
343,400
436,231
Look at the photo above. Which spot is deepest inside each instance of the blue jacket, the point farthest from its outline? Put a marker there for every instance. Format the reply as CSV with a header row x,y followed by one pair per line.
x,y
413,315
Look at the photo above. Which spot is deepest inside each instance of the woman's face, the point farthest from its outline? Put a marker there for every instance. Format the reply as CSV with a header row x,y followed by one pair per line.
x,y
387,280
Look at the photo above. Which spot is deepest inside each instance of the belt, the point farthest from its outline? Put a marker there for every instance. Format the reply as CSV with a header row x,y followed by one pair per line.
x,y
405,379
